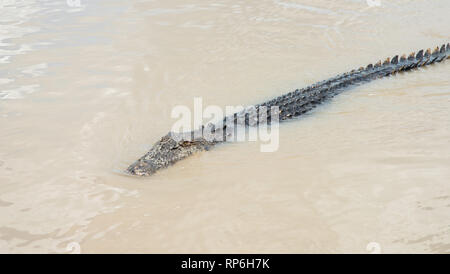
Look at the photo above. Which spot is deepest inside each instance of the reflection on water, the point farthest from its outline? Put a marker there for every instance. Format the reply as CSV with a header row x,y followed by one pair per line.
x,y
86,87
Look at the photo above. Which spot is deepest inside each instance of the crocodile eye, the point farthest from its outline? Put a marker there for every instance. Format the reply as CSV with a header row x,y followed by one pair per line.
x,y
180,144
185,144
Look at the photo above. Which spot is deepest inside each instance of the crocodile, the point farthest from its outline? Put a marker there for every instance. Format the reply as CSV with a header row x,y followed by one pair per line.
x,y
171,148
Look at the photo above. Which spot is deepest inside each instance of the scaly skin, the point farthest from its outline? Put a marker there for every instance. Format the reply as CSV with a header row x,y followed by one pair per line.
x,y
171,148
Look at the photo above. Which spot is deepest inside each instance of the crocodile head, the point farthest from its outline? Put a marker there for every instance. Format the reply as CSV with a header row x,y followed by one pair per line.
x,y
170,149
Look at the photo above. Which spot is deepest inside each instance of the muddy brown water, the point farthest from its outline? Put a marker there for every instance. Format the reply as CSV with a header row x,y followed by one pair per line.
x,y
86,89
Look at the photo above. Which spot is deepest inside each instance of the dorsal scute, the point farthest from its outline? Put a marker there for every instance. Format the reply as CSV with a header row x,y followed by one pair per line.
x,y
394,60
378,64
428,53
403,58
369,66
412,56
419,54
436,51
442,49
387,61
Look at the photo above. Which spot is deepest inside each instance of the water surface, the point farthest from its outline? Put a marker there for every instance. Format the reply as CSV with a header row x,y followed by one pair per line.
x,y
87,89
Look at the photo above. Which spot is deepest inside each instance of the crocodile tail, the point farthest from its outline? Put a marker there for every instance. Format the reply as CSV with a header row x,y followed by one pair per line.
x,y
297,102
393,65
422,58
396,64
389,66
